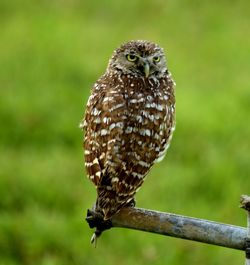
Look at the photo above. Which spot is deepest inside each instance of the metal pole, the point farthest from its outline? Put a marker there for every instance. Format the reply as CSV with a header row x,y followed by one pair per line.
x,y
182,227
245,204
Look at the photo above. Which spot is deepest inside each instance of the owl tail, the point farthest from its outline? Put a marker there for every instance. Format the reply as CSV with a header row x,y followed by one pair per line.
x,y
96,220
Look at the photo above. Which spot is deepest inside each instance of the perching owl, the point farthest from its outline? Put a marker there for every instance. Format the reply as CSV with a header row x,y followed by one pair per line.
x,y
129,121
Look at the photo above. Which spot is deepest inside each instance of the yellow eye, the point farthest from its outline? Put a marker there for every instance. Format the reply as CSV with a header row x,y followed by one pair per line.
x,y
156,59
131,57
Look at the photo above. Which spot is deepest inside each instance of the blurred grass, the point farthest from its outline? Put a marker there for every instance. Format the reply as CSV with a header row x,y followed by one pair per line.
x,y
51,52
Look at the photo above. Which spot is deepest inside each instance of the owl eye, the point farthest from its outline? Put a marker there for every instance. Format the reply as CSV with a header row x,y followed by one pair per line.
x,y
156,59
131,57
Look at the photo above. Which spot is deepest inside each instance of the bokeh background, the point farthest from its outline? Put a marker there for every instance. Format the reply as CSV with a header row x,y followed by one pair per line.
x,y
51,52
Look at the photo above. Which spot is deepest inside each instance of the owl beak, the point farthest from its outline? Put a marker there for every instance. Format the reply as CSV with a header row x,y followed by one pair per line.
x,y
146,69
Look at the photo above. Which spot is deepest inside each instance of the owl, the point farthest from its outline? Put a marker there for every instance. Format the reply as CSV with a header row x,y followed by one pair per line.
x,y
128,123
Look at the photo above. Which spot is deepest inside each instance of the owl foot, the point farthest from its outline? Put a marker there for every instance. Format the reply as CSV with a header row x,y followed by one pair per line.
x,y
96,220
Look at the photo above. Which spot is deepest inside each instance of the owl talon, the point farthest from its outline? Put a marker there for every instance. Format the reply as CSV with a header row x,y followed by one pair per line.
x,y
95,220
93,240
95,236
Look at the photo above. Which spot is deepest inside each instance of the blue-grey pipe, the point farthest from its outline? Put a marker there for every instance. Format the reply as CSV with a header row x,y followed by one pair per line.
x,y
174,225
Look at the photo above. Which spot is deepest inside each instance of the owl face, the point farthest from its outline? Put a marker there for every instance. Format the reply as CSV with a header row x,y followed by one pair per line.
x,y
139,58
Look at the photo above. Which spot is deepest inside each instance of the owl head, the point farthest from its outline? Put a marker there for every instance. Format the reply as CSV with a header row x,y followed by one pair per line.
x,y
139,58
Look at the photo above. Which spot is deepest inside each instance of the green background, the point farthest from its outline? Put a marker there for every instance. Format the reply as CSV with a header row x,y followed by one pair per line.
x,y
51,52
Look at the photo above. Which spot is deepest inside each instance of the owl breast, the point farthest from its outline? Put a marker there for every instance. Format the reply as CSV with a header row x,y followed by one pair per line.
x,y
129,124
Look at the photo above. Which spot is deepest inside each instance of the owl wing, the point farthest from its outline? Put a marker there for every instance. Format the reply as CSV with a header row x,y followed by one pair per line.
x,y
101,122
90,124
169,127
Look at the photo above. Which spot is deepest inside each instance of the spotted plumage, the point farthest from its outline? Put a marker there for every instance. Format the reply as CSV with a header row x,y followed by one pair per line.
x,y
129,120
